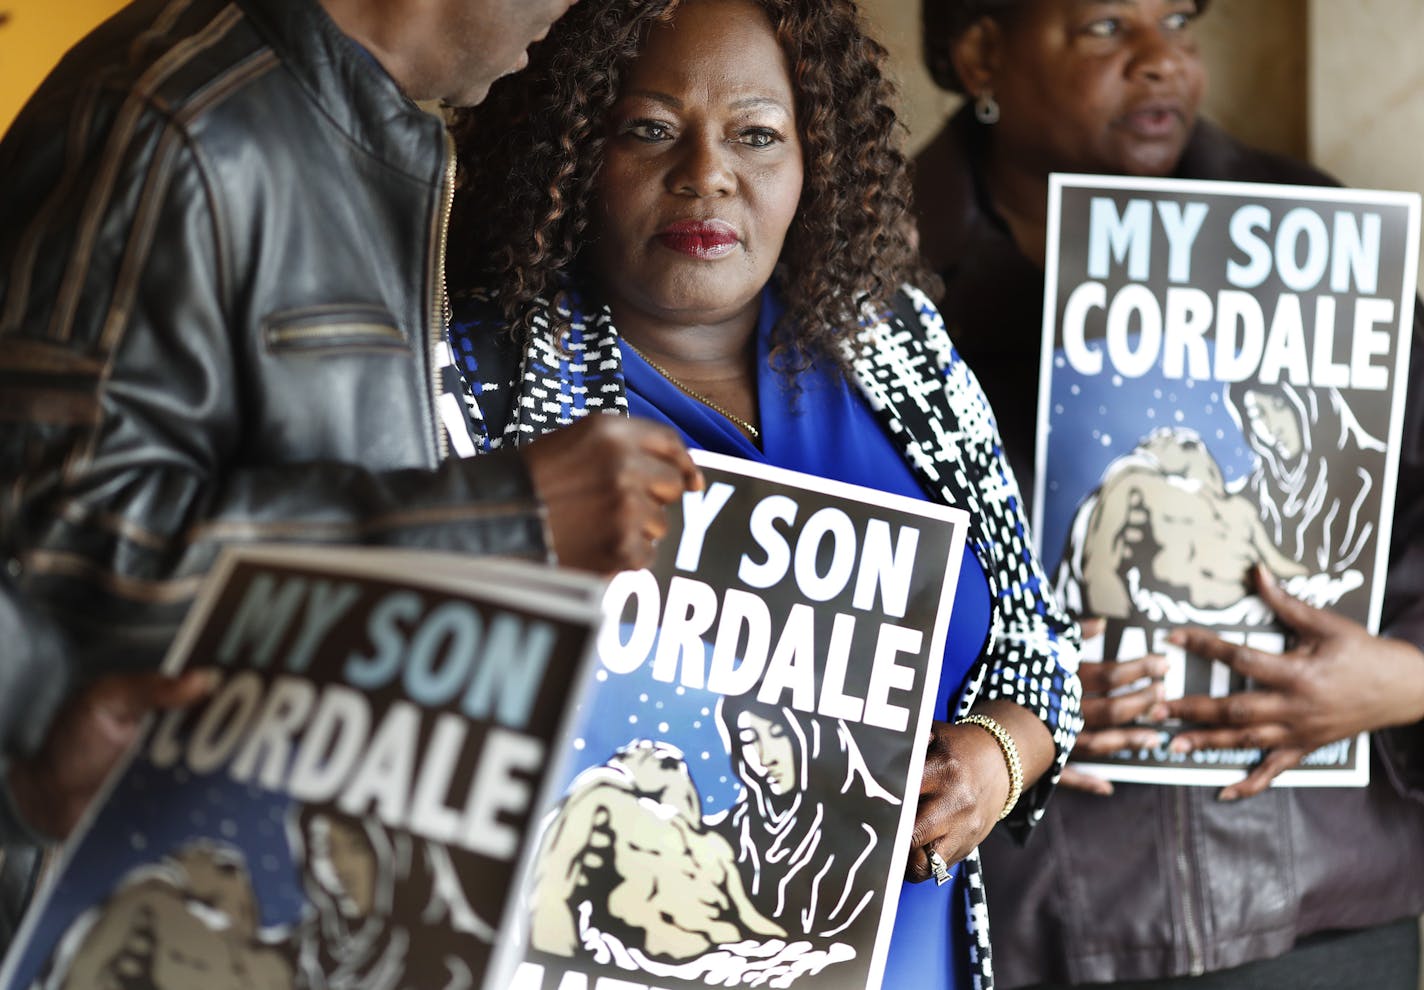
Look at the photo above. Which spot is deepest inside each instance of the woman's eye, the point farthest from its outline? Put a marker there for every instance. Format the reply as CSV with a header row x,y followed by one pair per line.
x,y
1179,21
647,130
759,137
1106,27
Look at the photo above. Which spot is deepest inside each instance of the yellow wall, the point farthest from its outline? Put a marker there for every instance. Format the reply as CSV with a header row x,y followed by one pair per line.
x,y
34,37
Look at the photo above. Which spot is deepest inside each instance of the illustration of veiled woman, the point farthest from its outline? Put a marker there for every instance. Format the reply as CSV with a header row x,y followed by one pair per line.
x,y
1314,474
810,817
388,910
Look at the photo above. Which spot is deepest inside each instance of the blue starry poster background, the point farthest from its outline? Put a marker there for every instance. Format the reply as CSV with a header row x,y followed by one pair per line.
x,y
636,706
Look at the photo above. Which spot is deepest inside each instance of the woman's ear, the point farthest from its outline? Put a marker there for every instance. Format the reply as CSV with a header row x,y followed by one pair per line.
x,y
978,55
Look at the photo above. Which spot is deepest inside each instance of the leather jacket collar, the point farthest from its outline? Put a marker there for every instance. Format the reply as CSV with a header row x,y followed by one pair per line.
x,y
349,85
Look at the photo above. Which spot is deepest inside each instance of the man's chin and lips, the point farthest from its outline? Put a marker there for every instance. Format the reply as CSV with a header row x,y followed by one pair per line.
x,y
521,61
1152,134
477,89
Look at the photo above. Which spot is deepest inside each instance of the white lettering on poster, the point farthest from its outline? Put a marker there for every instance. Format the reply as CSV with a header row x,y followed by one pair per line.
x,y
1328,262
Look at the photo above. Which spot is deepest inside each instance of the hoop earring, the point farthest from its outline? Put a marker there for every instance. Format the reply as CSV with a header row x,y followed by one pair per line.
x,y
986,108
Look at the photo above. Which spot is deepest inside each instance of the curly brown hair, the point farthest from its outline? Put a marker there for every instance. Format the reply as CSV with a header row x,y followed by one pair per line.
x,y
531,153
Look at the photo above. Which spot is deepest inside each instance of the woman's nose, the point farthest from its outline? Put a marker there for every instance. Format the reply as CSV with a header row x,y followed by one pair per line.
x,y
701,168
1160,54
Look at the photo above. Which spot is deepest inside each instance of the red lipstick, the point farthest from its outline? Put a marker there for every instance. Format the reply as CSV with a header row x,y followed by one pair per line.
x,y
705,239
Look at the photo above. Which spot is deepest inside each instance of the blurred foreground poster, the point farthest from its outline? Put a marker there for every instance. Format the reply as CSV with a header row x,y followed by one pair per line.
x,y
350,807
1222,386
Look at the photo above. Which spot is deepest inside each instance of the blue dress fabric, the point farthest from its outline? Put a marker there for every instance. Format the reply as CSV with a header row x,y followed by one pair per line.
x,y
825,428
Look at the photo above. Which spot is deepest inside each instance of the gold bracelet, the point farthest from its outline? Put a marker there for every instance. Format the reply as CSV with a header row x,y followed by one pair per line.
x,y
1010,749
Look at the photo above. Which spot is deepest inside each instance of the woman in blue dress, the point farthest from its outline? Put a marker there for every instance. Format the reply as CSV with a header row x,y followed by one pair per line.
x,y
706,226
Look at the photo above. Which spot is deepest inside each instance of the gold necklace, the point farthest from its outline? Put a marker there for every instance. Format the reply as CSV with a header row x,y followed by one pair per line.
x,y
751,430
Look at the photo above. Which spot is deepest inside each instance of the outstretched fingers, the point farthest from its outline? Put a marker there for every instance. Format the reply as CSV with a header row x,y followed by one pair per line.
x,y
1276,762
1263,667
1306,620
1116,694
1105,677
1105,742
1261,735
1078,780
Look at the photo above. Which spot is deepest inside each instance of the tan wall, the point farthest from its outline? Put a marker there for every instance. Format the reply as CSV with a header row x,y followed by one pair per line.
x,y
1367,92
896,24
1256,57
32,40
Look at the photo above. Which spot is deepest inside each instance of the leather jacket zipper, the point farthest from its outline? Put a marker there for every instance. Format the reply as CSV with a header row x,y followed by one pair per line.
x,y
1196,965
440,311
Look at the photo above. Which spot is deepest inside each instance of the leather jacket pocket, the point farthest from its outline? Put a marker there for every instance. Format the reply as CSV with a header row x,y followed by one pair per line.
x,y
342,382
331,329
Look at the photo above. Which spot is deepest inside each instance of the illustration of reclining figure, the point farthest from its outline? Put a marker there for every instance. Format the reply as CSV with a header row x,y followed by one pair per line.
x,y
629,845
1162,516
188,922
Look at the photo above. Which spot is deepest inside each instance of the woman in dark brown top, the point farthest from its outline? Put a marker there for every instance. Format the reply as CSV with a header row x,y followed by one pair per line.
x,y
1160,886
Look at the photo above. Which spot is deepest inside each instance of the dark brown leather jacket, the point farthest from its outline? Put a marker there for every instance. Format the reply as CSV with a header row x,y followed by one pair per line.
x,y
221,255
1166,881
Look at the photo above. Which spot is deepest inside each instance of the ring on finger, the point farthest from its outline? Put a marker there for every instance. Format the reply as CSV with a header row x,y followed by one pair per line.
x,y
939,869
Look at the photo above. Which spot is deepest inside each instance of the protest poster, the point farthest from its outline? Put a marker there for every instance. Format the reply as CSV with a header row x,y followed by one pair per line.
x,y
1222,386
746,770
350,808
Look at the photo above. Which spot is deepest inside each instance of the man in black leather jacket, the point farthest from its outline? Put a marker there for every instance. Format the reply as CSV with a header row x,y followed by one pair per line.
x,y
222,308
